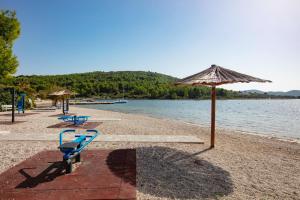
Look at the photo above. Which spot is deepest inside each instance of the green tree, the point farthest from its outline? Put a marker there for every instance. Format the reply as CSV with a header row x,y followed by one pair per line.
x,y
173,95
9,32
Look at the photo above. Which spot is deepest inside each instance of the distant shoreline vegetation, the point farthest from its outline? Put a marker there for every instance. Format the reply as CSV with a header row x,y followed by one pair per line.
x,y
110,85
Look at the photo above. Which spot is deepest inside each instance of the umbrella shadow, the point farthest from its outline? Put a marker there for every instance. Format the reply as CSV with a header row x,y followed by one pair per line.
x,y
167,172
55,170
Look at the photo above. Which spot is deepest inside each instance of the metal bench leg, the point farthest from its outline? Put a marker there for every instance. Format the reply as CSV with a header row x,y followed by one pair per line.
x,y
77,158
68,164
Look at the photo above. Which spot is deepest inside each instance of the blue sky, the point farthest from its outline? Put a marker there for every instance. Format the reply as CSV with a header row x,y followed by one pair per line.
x,y
179,38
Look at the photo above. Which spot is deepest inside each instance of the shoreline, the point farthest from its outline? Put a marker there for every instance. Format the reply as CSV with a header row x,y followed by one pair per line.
x,y
204,99
236,131
218,128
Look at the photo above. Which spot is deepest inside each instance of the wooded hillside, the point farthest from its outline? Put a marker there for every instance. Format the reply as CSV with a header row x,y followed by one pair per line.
x,y
136,84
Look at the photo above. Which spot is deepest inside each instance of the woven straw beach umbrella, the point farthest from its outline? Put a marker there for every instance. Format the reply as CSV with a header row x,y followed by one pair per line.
x,y
214,76
62,95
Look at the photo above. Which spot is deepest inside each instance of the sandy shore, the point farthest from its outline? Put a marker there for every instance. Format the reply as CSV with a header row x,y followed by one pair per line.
x,y
240,167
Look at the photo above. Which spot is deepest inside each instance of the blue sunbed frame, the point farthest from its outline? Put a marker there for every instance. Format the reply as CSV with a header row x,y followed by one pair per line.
x,y
76,120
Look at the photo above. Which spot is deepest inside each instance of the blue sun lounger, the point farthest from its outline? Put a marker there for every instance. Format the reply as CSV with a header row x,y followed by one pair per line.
x,y
76,120
72,150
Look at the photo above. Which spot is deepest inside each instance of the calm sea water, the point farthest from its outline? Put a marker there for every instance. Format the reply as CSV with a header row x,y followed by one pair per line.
x,y
272,117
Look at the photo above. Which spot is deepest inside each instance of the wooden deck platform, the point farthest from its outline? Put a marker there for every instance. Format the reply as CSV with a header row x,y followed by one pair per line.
x,y
102,174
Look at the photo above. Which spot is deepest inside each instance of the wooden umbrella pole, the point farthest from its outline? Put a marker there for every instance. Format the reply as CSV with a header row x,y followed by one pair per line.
x,y
213,116
67,106
63,106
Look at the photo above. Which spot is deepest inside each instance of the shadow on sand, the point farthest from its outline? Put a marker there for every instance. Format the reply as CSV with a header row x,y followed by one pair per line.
x,y
167,172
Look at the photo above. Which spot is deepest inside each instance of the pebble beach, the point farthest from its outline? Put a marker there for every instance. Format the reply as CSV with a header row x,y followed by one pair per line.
x,y
241,166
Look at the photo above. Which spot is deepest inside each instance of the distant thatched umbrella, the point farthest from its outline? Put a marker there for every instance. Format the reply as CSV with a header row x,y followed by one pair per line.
x,y
214,76
62,95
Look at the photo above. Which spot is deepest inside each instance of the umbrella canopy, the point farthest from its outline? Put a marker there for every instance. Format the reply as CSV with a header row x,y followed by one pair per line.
x,y
214,76
61,93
